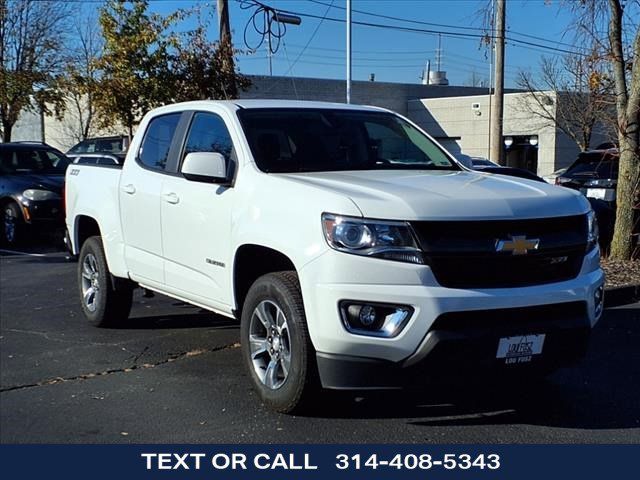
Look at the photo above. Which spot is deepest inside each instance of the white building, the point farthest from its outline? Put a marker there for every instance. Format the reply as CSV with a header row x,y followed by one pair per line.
x,y
457,116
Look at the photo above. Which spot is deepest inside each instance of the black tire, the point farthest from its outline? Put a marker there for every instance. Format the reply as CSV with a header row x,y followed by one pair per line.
x,y
281,289
112,299
13,225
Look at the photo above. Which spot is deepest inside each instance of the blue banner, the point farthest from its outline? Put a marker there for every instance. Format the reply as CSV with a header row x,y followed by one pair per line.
x,y
320,462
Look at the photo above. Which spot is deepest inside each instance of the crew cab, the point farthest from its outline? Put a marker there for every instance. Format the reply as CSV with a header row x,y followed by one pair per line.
x,y
354,250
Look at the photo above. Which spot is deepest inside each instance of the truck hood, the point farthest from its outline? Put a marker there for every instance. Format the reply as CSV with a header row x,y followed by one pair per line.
x,y
446,195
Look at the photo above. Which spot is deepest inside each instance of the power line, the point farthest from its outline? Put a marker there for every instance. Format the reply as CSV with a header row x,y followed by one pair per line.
x,y
420,22
389,17
436,32
310,38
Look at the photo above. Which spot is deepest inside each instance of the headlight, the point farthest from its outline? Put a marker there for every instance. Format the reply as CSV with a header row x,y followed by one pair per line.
x,y
36,195
593,230
373,238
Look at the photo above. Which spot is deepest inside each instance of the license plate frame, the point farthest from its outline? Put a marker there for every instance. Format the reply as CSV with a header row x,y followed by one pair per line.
x,y
520,348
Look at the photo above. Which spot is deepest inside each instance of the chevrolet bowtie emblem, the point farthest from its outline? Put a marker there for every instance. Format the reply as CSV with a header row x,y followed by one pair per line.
x,y
518,245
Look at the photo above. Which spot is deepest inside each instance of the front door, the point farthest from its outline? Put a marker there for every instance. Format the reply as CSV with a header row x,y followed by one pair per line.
x,y
197,221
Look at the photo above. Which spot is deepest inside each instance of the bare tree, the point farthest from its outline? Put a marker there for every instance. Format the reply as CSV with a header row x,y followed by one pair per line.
x,y
614,25
31,49
574,95
81,79
627,90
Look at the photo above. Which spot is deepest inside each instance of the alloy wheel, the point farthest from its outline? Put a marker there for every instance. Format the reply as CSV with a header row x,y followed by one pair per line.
x,y
270,344
90,282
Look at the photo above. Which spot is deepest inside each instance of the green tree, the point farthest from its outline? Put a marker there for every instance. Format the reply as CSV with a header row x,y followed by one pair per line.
x,y
135,67
201,68
31,58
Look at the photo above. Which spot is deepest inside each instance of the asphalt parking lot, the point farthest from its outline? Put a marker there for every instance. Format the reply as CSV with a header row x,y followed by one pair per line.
x,y
175,376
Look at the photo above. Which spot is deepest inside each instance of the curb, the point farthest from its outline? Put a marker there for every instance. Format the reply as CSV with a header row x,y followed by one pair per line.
x,y
614,297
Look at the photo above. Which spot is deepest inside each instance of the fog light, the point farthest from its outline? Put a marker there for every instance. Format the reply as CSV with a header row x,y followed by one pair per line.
x,y
374,319
598,300
367,315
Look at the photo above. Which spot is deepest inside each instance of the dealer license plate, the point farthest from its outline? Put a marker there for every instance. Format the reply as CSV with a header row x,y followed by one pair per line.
x,y
520,349
606,194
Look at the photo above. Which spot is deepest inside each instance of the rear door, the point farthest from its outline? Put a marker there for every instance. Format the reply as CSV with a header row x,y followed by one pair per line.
x,y
196,219
140,187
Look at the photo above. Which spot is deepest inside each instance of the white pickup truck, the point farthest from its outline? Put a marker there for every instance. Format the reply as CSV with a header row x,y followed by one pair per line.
x,y
355,251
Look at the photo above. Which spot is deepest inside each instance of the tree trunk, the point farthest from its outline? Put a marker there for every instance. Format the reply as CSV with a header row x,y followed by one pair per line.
x,y
6,131
628,112
621,245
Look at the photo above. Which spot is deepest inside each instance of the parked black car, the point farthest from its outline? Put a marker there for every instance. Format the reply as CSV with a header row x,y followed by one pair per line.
x,y
31,190
595,174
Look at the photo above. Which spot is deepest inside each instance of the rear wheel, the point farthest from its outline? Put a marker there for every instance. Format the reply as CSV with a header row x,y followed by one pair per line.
x,y
275,342
13,225
105,302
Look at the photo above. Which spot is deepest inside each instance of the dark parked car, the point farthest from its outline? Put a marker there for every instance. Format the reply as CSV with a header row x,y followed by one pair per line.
x,y
31,185
595,174
117,144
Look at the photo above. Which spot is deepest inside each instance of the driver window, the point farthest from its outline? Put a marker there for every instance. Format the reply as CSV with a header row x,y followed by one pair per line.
x,y
208,133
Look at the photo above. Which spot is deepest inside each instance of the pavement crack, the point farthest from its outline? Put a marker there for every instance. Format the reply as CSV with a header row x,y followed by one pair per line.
x,y
86,376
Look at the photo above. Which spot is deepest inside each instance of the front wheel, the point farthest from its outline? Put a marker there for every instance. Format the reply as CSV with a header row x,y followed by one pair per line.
x,y
104,302
275,342
13,225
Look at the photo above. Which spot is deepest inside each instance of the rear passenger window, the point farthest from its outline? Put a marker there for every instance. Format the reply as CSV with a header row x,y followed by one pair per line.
x,y
208,133
157,140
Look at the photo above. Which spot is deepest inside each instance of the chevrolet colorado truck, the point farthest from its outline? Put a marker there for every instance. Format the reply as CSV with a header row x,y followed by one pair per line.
x,y
355,251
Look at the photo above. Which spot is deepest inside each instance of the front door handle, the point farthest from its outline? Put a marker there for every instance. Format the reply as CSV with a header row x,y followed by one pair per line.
x,y
171,198
129,188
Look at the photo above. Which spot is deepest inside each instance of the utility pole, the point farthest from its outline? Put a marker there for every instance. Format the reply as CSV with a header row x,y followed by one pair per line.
x,y
348,51
495,141
227,46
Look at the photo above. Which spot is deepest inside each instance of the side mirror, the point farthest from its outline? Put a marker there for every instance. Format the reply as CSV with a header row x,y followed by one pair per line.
x,y
205,167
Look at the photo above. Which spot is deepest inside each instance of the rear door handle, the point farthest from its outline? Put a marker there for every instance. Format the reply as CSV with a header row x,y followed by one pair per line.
x,y
171,198
129,188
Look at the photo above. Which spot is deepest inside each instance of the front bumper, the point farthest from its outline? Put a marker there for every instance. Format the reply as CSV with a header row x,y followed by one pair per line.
x,y
466,343
368,279
45,214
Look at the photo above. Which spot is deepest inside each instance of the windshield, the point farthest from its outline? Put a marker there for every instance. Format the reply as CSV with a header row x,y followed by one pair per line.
x,y
594,165
322,140
39,161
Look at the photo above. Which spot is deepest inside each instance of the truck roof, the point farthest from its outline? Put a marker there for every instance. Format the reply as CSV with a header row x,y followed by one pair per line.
x,y
233,105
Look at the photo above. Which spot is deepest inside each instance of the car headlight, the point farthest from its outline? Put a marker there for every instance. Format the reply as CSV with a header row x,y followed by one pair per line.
x,y
373,238
36,195
593,232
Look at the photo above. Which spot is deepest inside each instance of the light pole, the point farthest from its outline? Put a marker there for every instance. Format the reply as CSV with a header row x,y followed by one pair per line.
x,y
348,51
